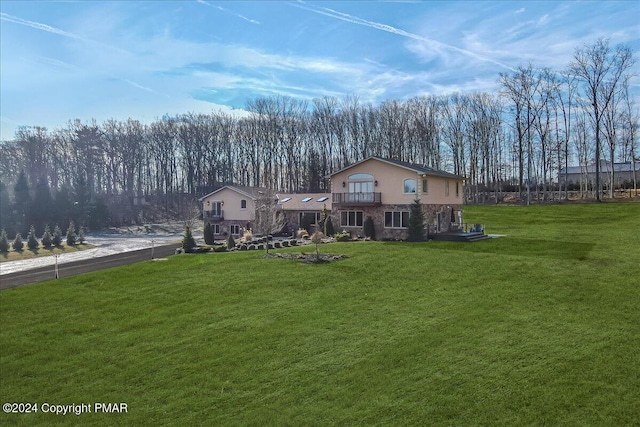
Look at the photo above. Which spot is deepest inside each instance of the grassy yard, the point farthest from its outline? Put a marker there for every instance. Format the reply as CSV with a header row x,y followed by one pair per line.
x,y
541,327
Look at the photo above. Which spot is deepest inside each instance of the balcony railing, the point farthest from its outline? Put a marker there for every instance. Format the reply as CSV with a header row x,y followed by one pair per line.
x,y
214,215
357,199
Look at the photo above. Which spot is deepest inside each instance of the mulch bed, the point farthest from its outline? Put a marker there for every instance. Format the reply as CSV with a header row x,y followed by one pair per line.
x,y
308,258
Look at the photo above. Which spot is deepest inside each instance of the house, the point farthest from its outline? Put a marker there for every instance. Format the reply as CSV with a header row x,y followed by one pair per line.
x,y
384,190
232,208
622,172
296,206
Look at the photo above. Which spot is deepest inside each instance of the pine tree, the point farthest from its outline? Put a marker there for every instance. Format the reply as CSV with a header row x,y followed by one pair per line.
x,y
208,234
416,223
32,240
71,234
369,229
46,238
81,237
57,236
231,243
4,242
188,242
18,244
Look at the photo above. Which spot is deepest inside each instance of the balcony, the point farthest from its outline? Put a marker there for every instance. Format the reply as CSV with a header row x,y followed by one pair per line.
x,y
213,215
357,199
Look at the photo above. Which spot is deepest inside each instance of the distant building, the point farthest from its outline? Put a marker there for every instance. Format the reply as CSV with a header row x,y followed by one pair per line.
x,y
623,174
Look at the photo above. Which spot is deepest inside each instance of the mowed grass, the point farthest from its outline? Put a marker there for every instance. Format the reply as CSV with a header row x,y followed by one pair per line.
x,y
541,327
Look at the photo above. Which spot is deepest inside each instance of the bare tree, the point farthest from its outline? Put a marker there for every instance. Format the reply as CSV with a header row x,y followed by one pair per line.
x,y
268,219
601,71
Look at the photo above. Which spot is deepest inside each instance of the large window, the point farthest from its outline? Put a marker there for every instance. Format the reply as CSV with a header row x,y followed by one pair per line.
x,y
409,185
351,219
315,217
396,219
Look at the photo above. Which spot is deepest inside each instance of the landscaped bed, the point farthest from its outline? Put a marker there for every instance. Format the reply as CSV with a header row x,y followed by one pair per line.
x,y
539,327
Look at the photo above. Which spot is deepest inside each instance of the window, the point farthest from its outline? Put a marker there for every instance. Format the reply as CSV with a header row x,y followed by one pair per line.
x,y
322,199
216,209
425,186
457,189
285,200
306,199
446,188
235,229
409,185
396,219
361,184
361,177
351,218
316,217
216,228
243,204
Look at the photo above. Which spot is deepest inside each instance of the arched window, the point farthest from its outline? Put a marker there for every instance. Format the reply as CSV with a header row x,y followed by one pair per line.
x,y
409,185
243,204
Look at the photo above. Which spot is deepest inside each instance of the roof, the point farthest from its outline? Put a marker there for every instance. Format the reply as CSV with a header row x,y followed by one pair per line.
x,y
250,192
304,201
414,167
605,167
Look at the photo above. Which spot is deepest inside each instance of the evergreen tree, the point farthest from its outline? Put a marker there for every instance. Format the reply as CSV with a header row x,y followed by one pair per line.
x,y
416,223
328,227
369,229
4,242
42,205
307,221
21,202
81,237
208,234
71,234
32,240
231,243
47,240
188,242
18,244
5,207
57,236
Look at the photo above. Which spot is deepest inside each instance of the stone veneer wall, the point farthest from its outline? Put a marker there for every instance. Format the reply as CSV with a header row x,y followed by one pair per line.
x,y
377,214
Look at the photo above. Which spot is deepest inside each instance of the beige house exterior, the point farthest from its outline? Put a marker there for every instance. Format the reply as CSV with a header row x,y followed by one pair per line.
x,y
232,209
384,190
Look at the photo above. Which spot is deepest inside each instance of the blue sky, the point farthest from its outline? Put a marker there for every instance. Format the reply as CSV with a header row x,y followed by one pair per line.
x,y
119,59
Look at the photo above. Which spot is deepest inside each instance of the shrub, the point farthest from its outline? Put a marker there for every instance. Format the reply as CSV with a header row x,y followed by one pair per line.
x,y
57,236
415,232
247,236
369,229
4,242
46,238
220,249
208,234
231,243
71,234
18,244
81,237
344,236
188,242
302,234
328,227
293,242
285,243
32,240
243,247
316,239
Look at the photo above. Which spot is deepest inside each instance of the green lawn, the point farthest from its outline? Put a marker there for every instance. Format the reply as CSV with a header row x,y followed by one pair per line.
x,y
541,327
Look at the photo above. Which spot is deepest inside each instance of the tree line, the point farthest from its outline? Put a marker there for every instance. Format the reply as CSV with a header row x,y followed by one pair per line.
x,y
517,139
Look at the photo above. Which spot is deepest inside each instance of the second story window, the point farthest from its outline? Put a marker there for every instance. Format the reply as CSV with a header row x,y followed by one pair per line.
x,y
425,186
243,204
409,186
446,188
